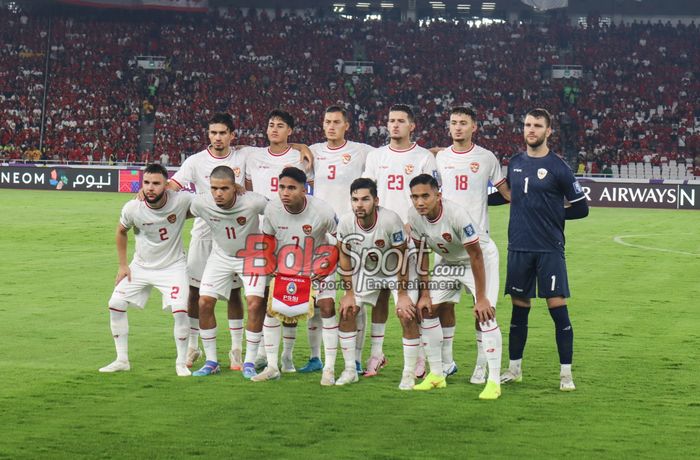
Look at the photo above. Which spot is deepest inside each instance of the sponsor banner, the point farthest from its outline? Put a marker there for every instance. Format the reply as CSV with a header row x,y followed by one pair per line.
x,y
59,178
177,5
641,195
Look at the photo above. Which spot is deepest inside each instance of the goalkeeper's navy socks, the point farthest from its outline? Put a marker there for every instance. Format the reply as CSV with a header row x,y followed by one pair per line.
x,y
564,333
518,332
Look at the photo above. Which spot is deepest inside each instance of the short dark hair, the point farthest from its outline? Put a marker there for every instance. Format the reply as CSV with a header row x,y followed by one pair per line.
x,y
222,118
337,109
424,179
541,113
156,168
403,108
282,115
294,173
364,182
462,110
223,172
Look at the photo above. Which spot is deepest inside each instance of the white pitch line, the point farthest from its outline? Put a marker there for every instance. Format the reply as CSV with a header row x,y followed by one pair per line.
x,y
619,240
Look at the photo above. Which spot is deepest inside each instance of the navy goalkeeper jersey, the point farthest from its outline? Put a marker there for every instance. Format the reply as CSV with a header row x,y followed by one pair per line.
x,y
538,188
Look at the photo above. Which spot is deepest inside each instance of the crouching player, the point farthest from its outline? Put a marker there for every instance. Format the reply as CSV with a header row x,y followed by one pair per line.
x,y
372,247
449,231
159,260
232,219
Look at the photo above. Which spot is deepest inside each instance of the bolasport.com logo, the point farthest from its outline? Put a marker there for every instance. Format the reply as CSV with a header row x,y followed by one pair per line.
x,y
367,265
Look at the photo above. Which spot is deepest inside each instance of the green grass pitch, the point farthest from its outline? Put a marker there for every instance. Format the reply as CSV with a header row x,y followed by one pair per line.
x,y
634,309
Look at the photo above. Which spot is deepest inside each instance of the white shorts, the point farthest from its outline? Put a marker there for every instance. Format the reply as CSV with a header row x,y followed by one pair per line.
x,y
197,256
172,282
220,273
462,276
367,288
326,288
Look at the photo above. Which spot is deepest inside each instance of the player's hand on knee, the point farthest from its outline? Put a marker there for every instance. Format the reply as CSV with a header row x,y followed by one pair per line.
x,y
348,306
123,272
405,308
424,306
483,311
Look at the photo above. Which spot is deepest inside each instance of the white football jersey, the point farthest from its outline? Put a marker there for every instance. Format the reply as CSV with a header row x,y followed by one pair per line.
x,y
393,170
311,225
196,170
230,227
465,180
448,233
386,233
335,169
264,167
158,232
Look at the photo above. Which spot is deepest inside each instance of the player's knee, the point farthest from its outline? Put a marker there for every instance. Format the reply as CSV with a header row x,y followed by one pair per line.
x,y
117,305
181,328
206,303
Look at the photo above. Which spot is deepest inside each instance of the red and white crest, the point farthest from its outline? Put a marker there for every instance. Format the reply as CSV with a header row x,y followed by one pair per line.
x,y
241,220
172,218
237,172
307,229
346,158
379,243
447,237
408,169
474,166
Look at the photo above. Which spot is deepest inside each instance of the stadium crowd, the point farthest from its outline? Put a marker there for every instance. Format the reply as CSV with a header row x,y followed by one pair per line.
x,y
636,98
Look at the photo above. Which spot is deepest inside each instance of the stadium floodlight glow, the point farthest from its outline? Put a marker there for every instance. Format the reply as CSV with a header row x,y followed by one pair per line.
x,y
463,7
338,7
488,6
387,5
362,5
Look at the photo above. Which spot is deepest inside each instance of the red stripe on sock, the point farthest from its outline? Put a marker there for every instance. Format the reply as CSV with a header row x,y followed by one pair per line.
x,y
330,328
179,311
250,341
431,327
449,337
117,310
376,336
209,338
411,345
285,337
271,327
490,330
235,328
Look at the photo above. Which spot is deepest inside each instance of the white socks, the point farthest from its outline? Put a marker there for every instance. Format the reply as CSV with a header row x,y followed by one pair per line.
x,y
410,354
480,353
252,342
272,331
314,330
361,321
194,332
431,334
493,347
119,324
209,343
330,341
289,338
181,331
448,334
377,339
235,326
347,345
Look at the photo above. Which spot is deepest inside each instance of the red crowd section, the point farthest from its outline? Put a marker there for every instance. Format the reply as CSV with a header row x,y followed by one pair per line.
x,y
637,98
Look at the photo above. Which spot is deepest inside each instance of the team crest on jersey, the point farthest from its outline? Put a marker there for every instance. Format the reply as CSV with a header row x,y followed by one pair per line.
x,y
397,237
469,230
237,172
474,166
172,218
447,237
408,169
379,243
291,288
541,173
346,158
241,220
307,229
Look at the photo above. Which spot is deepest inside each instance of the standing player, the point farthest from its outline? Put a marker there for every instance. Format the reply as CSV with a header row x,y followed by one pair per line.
x,y
540,183
159,260
196,170
263,167
372,239
296,221
231,219
449,231
393,167
337,162
467,170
